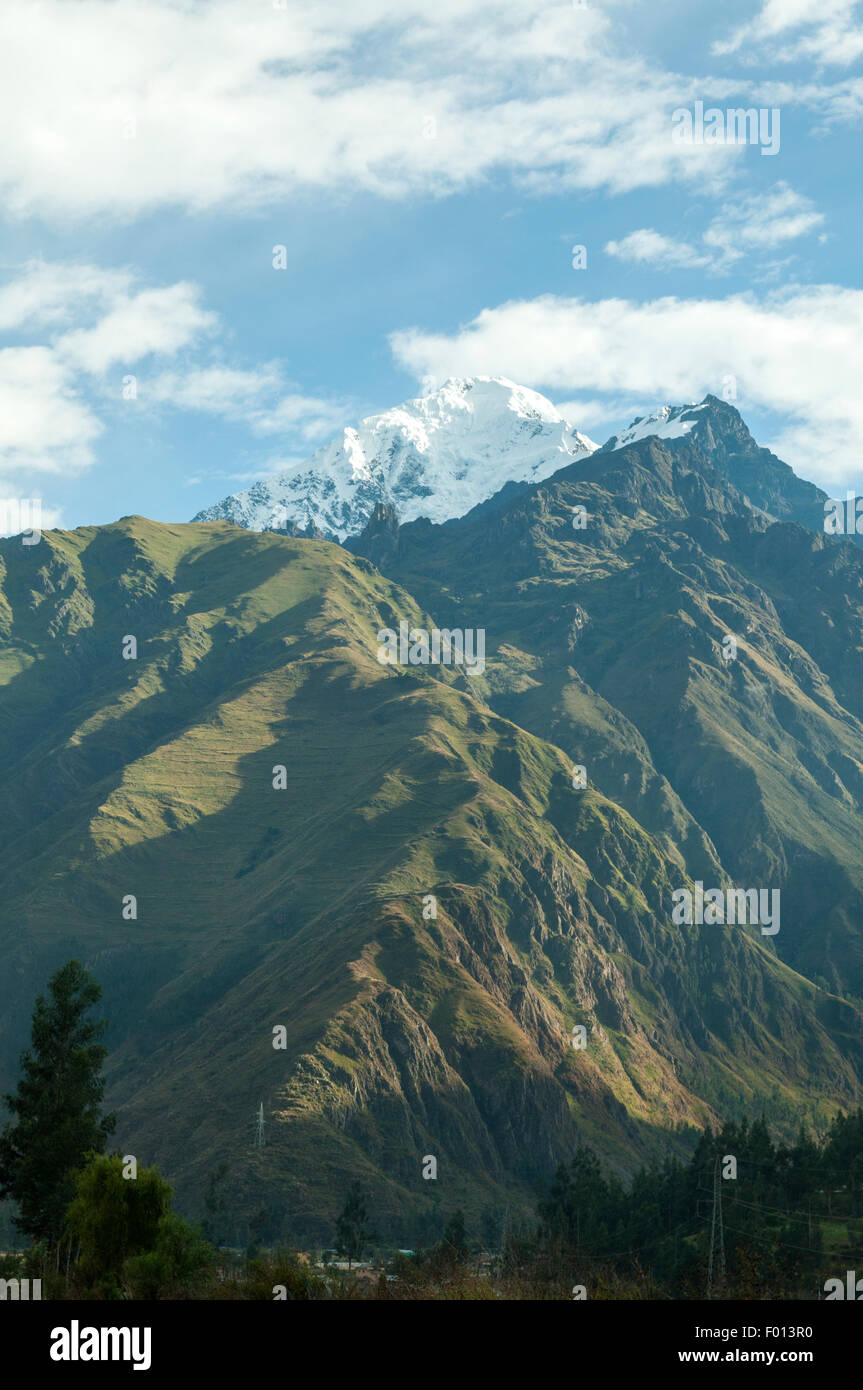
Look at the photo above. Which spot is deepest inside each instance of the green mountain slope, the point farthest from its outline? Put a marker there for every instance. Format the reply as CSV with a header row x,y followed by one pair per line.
x,y
609,642
303,908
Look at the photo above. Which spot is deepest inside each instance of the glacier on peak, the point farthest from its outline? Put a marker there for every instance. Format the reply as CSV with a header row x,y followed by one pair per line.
x,y
669,422
436,456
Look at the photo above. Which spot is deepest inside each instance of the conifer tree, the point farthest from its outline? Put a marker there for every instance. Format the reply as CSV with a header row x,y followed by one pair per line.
x,y
57,1119
353,1232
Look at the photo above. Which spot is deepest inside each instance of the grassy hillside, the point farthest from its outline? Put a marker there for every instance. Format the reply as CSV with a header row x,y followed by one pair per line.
x,y
303,907
608,641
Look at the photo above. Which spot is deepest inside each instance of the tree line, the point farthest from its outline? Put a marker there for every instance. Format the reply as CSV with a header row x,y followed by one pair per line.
x,y
745,1216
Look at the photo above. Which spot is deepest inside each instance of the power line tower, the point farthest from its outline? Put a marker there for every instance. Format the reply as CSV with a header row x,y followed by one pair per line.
x,y
716,1263
259,1126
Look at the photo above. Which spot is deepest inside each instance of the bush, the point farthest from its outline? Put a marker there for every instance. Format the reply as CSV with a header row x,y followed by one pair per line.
x,y
299,1281
178,1261
113,1218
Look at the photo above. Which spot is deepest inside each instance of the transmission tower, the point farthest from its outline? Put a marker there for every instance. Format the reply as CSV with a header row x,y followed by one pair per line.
x,y
259,1126
716,1263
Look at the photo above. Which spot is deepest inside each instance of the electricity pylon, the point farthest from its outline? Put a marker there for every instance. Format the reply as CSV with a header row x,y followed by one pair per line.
x,y
716,1263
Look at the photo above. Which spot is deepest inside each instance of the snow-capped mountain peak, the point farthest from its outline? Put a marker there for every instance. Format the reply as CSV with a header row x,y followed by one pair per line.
x,y
437,456
670,422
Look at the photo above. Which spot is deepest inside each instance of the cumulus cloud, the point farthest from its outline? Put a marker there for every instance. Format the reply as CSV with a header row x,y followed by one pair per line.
x,y
44,425
50,294
159,321
799,353
47,422
56,391
227,104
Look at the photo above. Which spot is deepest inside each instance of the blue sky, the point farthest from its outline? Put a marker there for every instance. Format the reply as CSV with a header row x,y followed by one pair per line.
x,y
428,170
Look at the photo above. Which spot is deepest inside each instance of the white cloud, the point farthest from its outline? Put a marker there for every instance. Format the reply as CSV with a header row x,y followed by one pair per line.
x,y
823,31
648,247
54,391
260,399
44,425
231,104
47,422
592,413
217,390
799,353
152,321
48,293
760,222
310,416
